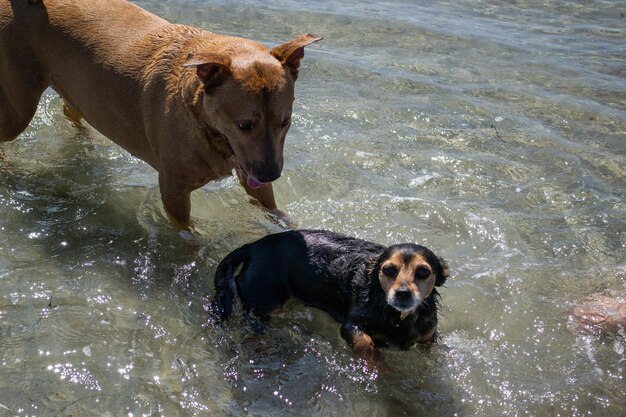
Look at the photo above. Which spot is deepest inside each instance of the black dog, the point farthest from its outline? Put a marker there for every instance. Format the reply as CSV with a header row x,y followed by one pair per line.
x,y
382,296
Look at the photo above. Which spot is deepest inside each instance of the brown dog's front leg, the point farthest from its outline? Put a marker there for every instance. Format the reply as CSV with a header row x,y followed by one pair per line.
x,y
363,345
265,196
177,203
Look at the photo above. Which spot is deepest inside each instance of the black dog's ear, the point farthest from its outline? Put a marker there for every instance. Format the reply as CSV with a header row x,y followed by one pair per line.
x,y
442,273
372,265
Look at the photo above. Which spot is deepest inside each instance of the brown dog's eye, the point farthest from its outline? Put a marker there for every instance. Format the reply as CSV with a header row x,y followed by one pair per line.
x,y
422,273
246,125
286,122
390,271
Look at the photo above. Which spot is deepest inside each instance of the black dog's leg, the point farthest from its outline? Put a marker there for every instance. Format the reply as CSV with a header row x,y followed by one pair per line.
x,y
256,321
363,345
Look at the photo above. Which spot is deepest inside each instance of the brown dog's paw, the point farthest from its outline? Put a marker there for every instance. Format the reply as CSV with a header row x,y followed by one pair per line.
x,y
284,219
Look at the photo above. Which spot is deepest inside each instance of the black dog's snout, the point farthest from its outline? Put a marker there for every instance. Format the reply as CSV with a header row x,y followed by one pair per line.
x,y
403,295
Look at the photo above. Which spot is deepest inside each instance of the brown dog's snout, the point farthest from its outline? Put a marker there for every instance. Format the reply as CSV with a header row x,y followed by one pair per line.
x,y
265,175
268,175
266,171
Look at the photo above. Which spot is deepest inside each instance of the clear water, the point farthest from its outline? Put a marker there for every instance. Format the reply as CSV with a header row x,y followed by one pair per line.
x,y
493,132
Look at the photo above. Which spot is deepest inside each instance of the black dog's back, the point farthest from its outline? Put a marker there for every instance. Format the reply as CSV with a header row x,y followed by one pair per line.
x,y
266,257
313,266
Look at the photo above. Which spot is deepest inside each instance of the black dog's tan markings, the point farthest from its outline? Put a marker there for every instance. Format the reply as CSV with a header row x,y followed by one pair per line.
x,y
381,296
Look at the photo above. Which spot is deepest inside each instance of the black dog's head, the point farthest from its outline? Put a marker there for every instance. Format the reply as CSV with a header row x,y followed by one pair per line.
x,y
407,274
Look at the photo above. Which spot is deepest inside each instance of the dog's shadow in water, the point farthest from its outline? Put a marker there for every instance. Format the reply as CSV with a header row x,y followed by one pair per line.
x,y
80,200
70,205
303,350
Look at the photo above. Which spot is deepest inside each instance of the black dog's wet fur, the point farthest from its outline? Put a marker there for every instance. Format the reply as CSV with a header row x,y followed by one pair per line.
x,y
329,271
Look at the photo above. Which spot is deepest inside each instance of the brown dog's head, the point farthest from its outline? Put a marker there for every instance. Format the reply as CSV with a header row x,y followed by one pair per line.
x,y
249,92
407,274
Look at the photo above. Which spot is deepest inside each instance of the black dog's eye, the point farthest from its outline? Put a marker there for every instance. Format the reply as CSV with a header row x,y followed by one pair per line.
x,y
422,273
246,125
286,122
390,271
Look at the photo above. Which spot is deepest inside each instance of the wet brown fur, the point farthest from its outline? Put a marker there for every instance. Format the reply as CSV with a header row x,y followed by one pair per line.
x,y
172,95
601,315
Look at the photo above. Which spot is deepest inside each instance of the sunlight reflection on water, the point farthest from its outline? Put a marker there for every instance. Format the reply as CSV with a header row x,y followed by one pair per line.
x,y
491,132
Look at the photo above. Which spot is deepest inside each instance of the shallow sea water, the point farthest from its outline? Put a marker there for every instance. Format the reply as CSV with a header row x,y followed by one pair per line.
x,y
493,132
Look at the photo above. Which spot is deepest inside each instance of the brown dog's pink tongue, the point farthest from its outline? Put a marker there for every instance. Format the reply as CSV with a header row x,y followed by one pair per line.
x,y
253,183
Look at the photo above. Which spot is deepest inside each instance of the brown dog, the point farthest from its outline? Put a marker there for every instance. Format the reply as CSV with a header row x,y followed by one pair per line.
x,y
192,104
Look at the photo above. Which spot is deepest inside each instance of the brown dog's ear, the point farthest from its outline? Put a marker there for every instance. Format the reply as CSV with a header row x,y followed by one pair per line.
x,y
292,52
212,69
443,275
